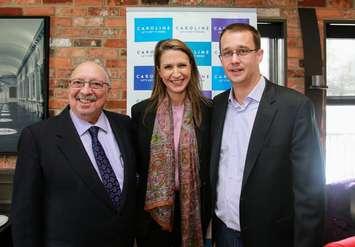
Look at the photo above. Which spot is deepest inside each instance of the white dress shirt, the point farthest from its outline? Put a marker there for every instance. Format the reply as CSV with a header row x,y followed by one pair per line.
x,y
107,140
237,129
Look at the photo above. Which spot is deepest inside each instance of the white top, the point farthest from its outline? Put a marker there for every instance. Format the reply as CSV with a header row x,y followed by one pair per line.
x,y
237,129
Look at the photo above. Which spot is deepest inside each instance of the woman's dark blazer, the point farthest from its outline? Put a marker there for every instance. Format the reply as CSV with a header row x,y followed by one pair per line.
x,y
144,123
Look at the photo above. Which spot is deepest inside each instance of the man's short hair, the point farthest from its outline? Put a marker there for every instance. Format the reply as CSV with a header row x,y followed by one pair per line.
x,y
242,27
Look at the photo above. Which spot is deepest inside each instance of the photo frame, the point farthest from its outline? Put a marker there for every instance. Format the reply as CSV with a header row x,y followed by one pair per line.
x,y
24,53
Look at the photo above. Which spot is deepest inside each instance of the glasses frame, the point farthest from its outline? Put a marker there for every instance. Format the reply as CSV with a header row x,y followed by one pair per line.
x,y
239,52
93,84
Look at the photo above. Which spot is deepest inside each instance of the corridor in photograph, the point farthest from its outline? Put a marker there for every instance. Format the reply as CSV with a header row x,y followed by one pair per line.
x,y
22,99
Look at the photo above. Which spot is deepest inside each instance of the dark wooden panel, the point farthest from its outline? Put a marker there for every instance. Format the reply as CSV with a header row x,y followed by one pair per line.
x,y
311,42
6,185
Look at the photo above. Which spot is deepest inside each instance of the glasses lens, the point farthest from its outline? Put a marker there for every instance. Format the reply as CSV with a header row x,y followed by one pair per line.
x,y
92,84
96,84
77,83
238,52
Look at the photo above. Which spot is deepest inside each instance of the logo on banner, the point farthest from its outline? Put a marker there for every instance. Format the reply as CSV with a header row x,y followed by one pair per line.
x,y
201,51
152,29
145,52
192,28
143,77
204,76
218,24
207,93
219,80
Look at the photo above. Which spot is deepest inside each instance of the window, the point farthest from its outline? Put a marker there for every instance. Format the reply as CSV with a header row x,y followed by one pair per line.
x,y
273,44
340,110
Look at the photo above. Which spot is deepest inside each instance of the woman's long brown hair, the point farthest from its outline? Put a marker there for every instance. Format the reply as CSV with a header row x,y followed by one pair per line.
x,y
193,89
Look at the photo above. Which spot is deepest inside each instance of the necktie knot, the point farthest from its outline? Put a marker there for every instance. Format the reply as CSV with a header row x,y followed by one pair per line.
x,y
94,130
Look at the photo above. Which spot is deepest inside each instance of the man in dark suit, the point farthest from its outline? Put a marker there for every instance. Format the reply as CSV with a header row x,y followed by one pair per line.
x,y
267,170
75,176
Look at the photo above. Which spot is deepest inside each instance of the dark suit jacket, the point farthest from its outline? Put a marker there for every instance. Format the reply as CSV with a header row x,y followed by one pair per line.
x,y
59,199
282,196
143,133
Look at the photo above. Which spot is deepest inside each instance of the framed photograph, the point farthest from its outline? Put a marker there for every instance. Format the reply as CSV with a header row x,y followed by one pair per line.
x,y
24,51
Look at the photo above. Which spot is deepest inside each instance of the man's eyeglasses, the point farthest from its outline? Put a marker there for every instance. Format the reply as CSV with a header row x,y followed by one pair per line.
x,y
239,52
93,84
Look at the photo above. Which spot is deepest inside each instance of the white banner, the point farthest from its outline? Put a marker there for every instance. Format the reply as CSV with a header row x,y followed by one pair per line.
x,y
198,27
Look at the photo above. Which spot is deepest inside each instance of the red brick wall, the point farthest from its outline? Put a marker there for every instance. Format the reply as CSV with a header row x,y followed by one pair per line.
x,y
82,29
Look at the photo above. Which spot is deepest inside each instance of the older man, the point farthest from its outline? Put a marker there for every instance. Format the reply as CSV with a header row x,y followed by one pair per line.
x,y
74,183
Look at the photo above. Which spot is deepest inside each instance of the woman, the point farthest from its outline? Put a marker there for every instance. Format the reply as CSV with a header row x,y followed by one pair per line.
x,y
172,136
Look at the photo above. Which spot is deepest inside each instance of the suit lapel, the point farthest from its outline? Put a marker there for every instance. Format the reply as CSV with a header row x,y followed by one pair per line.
x,y
263,120
68,141
122,142
149,123
218,118
199,130
199,138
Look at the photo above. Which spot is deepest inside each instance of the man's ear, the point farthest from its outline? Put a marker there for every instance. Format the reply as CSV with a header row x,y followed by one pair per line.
x,y
260,55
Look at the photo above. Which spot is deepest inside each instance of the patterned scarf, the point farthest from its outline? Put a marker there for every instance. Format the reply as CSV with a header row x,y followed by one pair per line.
x,y
161,175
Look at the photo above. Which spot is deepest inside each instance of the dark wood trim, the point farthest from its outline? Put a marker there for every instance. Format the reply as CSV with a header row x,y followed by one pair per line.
x,y
6,185
311,43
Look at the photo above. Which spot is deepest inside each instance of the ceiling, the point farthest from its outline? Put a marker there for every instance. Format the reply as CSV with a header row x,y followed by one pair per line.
x,y
16,36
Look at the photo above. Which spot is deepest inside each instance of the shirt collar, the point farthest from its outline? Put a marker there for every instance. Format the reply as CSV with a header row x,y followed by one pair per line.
x,y
254,95
258,90
82,126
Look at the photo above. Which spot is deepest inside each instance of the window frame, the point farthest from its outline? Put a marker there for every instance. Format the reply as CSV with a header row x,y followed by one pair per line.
x,y
273,29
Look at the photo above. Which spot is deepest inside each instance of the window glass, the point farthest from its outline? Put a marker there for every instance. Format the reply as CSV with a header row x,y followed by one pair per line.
x,y
265,63
340,110
340,67
340,143
272,42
